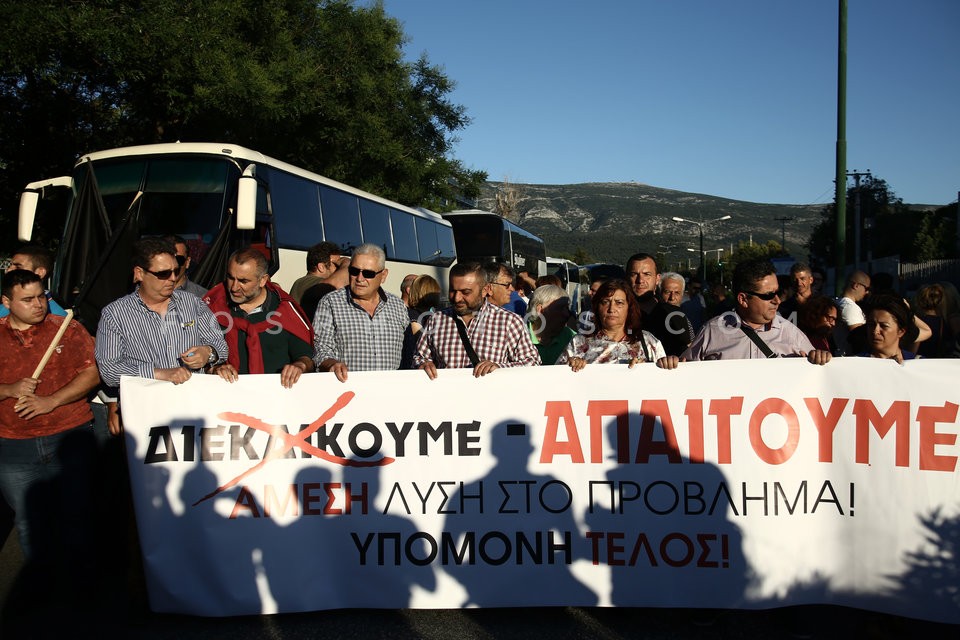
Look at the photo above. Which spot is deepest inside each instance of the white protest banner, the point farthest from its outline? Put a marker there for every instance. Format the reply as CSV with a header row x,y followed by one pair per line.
x,y
746,484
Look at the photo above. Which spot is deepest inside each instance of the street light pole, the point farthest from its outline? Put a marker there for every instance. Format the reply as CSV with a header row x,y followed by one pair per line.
x,y
700,223
703,255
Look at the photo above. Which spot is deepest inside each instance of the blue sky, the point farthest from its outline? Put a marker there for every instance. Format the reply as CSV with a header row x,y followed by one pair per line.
x,y
733,98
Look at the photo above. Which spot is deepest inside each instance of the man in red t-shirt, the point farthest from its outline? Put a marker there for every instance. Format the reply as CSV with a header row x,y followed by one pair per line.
x,y
47,445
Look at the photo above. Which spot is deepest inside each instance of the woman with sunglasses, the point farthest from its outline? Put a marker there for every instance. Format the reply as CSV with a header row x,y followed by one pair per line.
x,y
617,335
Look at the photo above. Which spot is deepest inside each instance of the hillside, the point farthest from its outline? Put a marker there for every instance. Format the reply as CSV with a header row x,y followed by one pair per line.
x,y
612,220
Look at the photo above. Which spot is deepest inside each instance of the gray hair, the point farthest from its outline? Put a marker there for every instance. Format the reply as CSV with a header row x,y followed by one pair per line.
x,y
370,249
671,275
544,295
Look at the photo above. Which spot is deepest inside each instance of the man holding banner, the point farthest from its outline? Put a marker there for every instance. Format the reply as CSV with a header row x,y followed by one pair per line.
x,y
473,332
754,329
47,445
360,327
265,329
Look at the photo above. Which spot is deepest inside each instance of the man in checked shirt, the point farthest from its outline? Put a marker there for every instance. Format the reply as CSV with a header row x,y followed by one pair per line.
x,y
360,327
497,336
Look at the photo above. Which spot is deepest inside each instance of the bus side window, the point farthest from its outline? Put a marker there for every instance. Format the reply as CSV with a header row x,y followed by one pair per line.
x,y
404,236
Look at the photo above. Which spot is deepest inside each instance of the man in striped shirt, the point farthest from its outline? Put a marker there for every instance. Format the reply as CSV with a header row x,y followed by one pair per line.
x,y
157,331
360,327
497,337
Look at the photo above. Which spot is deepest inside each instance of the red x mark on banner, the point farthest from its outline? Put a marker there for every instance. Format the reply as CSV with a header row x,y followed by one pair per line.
x,y
289,441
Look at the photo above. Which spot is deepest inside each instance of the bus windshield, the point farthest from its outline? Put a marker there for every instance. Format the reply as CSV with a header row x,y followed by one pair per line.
x,y
478,238
184,195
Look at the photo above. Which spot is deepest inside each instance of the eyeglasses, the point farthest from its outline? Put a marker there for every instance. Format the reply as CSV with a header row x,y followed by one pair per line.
x,y
166,274
865,287
369,274
181,261
508,285
770,295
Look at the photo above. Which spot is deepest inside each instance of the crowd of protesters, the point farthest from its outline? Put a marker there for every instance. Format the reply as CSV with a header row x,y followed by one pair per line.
x,y
341,319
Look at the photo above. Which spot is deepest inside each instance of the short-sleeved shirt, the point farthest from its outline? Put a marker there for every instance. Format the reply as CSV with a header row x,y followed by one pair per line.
x,y
133,340
344,331
849,315
301,284
722,339
497,335
597,348
23,351
279,348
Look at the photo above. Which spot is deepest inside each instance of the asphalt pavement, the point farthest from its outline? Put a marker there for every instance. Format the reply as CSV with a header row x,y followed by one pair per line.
x,y
115,606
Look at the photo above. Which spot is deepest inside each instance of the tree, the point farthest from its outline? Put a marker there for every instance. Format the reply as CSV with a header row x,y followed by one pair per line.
x,y
580,256
322,85
893,228
896,229
506,199
772,249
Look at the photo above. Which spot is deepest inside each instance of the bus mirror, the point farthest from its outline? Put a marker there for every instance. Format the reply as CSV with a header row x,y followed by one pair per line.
x,y
28,204
28,211
247,199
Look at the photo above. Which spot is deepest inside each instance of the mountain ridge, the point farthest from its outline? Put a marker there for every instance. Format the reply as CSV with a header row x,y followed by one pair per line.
x,y
612,220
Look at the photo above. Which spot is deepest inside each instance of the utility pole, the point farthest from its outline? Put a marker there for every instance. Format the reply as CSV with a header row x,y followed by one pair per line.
x,y
856,175
840,201
783,231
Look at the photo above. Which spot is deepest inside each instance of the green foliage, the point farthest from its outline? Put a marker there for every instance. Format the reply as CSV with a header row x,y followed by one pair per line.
x,y
581,256
744,251
322,85
896,228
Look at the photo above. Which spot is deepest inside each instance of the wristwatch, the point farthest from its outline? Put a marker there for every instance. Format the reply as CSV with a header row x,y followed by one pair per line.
x,y
214,356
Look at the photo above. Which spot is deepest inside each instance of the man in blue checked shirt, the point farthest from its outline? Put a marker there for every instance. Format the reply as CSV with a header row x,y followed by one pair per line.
x,y
157,331
360,327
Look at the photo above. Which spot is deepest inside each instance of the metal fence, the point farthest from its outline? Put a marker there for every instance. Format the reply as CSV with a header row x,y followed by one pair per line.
x,y
913,275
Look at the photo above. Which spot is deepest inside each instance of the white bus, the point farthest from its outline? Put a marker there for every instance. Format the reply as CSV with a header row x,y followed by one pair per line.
x,y
219,197
569,273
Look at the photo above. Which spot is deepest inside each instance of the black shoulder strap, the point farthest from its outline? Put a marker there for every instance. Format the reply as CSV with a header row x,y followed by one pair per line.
x,y
462,330
643,345
757,340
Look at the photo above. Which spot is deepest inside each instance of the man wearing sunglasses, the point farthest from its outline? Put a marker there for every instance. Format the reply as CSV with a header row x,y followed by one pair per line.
x,y
157,331
183,264
753,329
360,327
